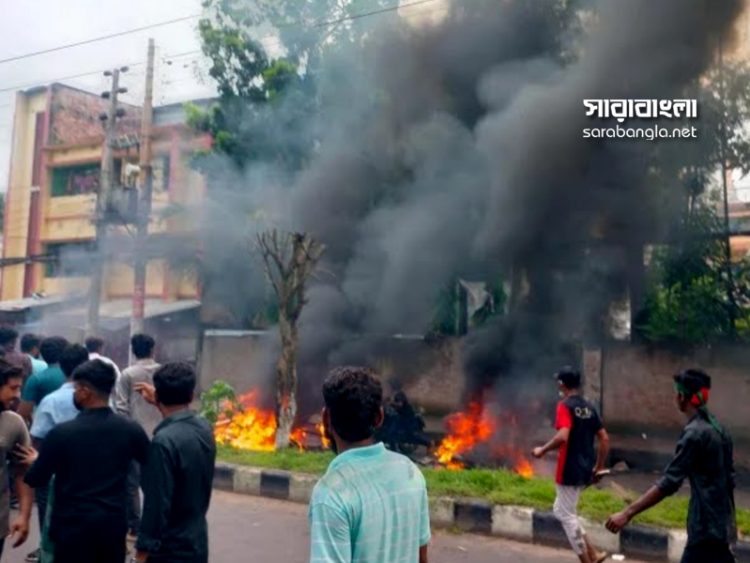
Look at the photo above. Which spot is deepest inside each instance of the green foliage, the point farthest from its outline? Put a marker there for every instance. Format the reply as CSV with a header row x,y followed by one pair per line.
x,y
692,311
237,61
258,121
301,24
733,81
687,301
197,117
279,78
687,170
219,399
249,124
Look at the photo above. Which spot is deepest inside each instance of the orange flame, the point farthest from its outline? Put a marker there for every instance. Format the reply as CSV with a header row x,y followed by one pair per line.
x,y
298,438
252,428
325,442
249,429
524,468
466,430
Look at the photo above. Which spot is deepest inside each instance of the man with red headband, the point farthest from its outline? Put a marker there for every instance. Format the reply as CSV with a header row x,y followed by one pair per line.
x,y
704,456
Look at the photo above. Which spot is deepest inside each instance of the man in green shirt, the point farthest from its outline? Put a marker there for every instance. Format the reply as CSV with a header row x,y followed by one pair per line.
x,y
41,384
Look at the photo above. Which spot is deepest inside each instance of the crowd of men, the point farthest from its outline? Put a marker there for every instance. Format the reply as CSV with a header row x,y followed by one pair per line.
x,y
85,441
371,505
98,438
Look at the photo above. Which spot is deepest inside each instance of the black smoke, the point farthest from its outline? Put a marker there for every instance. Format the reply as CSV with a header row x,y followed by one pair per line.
x,y
455,149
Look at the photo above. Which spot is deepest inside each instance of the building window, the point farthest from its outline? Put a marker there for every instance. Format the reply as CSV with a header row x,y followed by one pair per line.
x,y
69,260
75,180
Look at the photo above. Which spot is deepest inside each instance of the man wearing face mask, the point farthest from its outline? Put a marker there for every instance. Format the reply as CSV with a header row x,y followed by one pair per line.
x,y
89,457
578,464
371,505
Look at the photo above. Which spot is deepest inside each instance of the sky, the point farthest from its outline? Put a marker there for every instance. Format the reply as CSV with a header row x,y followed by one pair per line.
x,y
52,23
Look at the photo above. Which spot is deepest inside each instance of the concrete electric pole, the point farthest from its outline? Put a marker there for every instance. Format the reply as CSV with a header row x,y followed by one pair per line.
x,y
103,199
140,256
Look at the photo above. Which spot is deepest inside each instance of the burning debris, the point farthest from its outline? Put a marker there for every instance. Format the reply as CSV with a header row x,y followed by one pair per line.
x,y
477,434
478,431
403,427
250,427
465,431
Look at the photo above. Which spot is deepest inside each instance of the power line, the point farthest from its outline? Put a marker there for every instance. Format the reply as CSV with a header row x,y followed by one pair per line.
x,y
83,74
193,16
70,77
100,38
361,15
325,23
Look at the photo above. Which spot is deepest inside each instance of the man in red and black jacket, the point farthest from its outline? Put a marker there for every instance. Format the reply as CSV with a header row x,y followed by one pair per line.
x,y
579,463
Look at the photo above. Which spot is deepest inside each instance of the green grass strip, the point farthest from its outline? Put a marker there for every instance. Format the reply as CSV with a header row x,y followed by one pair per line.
x,y
498,486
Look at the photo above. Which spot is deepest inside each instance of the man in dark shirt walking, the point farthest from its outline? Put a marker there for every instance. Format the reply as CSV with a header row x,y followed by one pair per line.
x,y
178,476
704,455
89,457
578,465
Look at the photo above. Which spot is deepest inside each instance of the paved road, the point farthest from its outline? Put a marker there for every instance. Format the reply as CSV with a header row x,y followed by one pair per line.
x,y
253,529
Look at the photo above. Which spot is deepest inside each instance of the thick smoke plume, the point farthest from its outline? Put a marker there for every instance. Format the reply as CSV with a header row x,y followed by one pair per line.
x,y
455,150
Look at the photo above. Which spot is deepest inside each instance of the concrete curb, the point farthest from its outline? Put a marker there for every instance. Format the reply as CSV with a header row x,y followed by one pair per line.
x,y
472,515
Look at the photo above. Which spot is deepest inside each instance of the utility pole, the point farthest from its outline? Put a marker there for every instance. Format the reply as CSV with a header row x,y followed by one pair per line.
x,y
103,198
145,179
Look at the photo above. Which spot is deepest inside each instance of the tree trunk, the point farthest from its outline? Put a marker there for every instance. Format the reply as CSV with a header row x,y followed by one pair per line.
x,y
286,381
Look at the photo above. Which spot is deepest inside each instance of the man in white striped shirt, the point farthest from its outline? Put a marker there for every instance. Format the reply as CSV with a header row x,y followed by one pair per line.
x,y
371,505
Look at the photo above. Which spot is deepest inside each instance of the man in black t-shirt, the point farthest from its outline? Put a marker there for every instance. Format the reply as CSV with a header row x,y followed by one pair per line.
x,y
89,457
577,424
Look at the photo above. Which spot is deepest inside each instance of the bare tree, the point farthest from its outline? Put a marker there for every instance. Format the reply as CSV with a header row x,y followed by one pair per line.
x,y
290,259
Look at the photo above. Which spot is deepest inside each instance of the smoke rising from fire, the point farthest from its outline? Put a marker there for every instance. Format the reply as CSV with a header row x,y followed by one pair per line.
x,y
455,150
